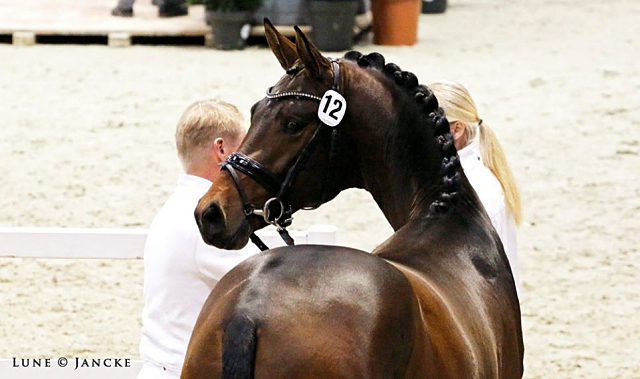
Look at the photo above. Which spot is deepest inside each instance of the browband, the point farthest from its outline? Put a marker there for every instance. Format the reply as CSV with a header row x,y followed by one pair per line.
x,y
291,94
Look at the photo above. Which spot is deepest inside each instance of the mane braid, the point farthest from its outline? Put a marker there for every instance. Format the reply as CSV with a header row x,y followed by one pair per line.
x,y
450,163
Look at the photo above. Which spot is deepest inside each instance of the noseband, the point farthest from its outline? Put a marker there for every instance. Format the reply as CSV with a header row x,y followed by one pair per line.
x,y
277,211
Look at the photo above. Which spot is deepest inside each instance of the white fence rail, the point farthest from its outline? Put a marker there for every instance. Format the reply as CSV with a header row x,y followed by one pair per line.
x,y
66,243
118,243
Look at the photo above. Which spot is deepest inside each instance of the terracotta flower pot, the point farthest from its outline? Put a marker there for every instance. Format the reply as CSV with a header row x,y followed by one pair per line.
x,y
395,22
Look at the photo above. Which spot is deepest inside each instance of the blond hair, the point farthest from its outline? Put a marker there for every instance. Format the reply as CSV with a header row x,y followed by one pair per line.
x,y
458,105
201,123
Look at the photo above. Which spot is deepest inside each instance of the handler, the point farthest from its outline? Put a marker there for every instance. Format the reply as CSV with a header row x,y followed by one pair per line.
x,y
180,270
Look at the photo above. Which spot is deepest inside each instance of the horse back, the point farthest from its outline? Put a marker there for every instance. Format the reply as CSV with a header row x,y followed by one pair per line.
x,y
307,312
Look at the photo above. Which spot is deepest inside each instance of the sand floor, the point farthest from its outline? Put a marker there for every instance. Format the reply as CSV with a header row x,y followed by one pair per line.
x,y
86,141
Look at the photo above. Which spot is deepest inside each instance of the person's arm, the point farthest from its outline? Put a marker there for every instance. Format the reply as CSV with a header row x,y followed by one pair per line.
x,y
214,263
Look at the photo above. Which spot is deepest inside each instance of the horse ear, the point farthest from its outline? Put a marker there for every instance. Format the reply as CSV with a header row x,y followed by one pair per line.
x,y
309,54
282,48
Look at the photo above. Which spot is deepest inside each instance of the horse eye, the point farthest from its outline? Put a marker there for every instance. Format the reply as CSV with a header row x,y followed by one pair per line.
x,y
293,126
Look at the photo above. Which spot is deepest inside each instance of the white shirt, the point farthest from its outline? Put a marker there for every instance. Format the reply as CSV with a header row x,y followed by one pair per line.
x,y
180,271
491,195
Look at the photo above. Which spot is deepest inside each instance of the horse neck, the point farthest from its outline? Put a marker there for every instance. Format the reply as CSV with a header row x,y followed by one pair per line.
x,y
399,159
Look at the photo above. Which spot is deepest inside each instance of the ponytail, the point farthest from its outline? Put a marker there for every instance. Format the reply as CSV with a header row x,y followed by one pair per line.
x,y
458,105
495,160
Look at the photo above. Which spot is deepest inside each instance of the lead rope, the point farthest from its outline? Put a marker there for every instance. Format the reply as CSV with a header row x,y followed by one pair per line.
x,y
258,242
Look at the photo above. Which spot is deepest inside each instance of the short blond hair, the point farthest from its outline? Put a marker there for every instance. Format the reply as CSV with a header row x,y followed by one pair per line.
x,y
204,121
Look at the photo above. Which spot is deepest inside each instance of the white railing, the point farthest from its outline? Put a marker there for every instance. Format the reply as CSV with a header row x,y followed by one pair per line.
x,y
80,243
118,243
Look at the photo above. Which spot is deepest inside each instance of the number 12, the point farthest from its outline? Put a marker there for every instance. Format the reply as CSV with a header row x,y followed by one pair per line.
x,y
336,103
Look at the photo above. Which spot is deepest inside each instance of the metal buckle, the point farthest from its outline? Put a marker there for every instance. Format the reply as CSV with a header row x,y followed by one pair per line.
x,y
266,212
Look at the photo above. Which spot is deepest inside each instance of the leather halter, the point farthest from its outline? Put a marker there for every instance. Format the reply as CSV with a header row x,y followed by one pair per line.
x,y
277,211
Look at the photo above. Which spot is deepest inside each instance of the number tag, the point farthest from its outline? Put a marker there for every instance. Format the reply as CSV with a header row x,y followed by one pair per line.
x,y
332,108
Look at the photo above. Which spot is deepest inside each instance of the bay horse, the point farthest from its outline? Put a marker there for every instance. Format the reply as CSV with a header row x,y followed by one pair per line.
x,y
435,300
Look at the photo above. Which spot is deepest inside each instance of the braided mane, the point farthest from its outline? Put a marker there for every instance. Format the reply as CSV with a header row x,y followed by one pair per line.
x,y
450,163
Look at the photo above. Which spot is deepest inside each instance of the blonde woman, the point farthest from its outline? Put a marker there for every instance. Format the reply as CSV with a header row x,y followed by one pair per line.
x,y
484,164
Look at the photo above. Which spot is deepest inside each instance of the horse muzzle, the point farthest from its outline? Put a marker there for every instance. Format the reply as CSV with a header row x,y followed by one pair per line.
x,y
219,230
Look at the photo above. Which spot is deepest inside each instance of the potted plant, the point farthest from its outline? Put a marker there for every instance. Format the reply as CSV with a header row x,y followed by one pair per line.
x,y
332,23
230,21
283,12
395,22
434,6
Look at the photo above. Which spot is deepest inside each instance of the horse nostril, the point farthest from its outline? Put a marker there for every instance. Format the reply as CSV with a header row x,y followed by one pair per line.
x,y
212,215
211,223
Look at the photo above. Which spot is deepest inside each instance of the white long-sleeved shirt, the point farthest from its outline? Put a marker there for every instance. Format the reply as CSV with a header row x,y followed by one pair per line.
x,y
491,195
180,271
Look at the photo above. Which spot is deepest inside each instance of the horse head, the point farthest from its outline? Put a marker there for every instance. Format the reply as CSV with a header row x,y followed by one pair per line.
x,y
285,161
325,126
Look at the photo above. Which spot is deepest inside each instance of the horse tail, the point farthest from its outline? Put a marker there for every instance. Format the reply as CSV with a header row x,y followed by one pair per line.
x,y
239,349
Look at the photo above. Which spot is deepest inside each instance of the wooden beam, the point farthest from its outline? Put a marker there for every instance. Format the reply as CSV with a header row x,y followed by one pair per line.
x,y
24,38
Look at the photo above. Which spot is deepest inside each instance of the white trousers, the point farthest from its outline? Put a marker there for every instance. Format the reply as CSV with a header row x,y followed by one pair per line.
x,y
151,371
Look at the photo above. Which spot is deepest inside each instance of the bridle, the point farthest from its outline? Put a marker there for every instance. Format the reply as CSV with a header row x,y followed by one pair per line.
x,y
277,211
